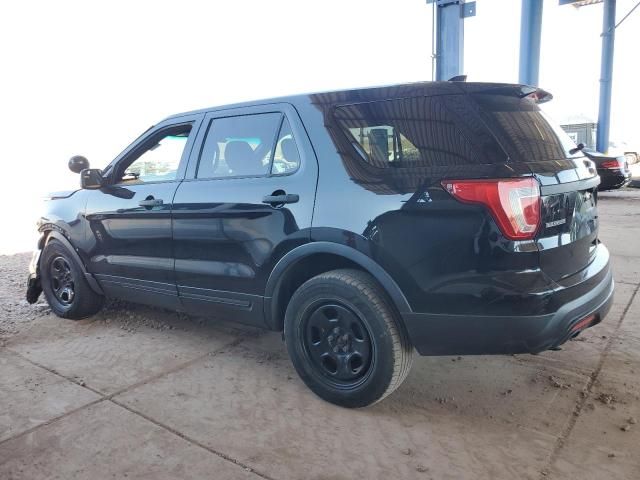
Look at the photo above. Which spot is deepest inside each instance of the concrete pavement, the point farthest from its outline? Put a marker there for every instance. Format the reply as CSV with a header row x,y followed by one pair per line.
x,y
138,392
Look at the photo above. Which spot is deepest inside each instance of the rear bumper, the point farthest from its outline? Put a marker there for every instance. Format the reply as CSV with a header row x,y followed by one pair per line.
x,y
612,179
441,334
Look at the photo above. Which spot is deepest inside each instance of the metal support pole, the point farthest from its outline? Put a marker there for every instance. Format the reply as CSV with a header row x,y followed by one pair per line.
x,y
606,75
450,39
530,31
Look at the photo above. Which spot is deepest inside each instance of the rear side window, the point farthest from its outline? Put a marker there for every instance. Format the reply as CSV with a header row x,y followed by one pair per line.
x,y
525,132
239,146
286,158
409,132
248,146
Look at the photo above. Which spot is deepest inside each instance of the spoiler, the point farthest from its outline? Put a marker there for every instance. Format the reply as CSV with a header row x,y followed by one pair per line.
x,y
538,95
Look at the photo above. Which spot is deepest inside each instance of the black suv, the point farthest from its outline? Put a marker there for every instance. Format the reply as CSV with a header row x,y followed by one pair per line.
x,y
449,217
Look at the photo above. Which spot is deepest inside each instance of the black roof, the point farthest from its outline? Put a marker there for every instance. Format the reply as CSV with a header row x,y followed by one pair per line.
x,y
369,94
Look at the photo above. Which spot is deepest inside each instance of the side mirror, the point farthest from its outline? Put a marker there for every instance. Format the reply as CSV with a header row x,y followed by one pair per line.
x,y
78,163
91,178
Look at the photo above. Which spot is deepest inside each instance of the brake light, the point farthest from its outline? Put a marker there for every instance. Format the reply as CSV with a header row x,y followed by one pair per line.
x,y
612,164
514,203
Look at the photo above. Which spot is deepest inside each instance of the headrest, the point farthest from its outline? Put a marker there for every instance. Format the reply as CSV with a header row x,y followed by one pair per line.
x,y
239,157
289,150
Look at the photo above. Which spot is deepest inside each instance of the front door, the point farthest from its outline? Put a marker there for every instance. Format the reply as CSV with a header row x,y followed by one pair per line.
x,y
129,219
247,199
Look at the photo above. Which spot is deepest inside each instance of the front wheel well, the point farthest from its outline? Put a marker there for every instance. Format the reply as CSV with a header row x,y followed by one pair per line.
x,y
42,240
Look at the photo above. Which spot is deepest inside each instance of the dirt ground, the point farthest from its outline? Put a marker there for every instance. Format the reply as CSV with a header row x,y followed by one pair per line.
x,y
138,392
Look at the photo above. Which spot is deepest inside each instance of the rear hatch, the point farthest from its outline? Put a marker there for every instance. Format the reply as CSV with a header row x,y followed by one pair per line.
x,y
567,238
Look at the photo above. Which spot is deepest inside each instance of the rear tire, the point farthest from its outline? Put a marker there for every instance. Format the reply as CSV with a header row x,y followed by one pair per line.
x,y
64,286
345,339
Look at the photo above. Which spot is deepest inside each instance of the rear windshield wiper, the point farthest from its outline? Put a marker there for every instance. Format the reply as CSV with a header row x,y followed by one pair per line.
x,y
578,148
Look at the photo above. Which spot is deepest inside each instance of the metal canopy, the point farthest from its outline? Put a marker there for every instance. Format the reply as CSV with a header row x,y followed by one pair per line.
x,y
606,75
450,15
579,3
449,47
606,66
530,33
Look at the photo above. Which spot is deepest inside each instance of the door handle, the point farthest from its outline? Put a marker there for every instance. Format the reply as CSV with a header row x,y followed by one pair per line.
x,y
150,202
280,199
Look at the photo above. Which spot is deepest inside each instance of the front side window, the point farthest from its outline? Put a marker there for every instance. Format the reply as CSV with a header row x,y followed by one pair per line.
x,y
159,158
239,146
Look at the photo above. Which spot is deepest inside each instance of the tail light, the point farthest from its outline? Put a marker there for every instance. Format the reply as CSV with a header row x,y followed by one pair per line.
x,y
584,323
514,203
613,164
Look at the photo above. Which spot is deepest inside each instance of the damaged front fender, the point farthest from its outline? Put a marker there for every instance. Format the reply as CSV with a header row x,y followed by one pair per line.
x,y
34,288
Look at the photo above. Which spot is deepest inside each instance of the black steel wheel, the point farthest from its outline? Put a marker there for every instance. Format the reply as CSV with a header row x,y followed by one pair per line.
x,y
337,343
345,339
62,280
64,286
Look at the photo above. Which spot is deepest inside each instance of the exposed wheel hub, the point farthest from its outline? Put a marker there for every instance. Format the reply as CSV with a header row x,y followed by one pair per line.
x,y
337,343
62,282
340,340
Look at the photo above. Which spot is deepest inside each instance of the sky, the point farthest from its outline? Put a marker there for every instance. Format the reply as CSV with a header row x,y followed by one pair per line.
x,y
80,77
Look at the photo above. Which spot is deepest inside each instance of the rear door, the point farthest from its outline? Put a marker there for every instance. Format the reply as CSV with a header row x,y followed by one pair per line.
x,y
568,235
248,199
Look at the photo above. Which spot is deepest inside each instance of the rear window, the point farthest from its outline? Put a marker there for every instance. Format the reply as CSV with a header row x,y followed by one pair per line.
x,y
417,132
523,129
